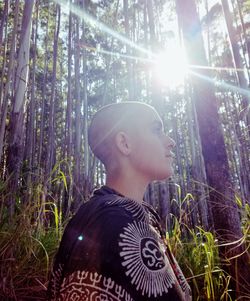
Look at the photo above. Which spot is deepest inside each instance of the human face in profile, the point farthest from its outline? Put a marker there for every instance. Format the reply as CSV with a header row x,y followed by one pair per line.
x,y
151,155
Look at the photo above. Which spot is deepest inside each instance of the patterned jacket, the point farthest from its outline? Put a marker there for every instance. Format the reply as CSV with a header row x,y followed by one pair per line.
x,y
113,250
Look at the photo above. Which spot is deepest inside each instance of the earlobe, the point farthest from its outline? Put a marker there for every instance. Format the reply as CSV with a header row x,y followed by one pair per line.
x,y
123,143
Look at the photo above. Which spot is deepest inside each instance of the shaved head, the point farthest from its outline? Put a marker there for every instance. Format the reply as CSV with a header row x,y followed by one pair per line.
x,y
108,121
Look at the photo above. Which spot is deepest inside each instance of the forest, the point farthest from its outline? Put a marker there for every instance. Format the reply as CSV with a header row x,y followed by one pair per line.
x,y
62,60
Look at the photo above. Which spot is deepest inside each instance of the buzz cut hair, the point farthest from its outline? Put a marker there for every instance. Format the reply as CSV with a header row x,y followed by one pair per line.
x,y
107,122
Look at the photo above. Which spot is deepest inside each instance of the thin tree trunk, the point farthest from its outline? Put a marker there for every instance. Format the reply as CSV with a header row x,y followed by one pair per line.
x,y
30,153
68,130
3,28
78,123
51,138
15,150
128,51
85,112
9,78
40,161
3,21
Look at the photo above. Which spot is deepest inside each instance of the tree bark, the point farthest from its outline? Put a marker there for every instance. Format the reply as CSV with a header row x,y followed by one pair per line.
x,y
68,123
15,150
51,138
30,131
3,28
85,113
78,123
3,21
9,78
128,51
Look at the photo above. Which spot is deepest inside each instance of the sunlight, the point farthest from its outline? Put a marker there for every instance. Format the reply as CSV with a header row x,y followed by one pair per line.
x,y
170,67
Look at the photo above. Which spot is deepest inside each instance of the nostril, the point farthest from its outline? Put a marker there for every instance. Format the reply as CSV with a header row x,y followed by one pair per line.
x,y
170,142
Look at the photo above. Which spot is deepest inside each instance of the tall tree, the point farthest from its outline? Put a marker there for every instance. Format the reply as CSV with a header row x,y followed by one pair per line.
x,y
30,128
50,159
85,111
9,80
68,123
15,150
225,214
128,51
78,115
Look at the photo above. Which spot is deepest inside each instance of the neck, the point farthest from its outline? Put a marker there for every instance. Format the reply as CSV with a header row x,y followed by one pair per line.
x,y
128,185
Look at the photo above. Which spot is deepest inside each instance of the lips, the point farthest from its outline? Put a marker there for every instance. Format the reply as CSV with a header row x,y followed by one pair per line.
x,y
171,155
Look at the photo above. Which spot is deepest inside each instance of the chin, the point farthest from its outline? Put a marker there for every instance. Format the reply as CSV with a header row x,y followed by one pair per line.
x,y
163,177
167,175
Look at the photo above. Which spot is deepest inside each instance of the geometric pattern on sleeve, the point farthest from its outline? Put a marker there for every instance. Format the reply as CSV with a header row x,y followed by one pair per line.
x,y
91,286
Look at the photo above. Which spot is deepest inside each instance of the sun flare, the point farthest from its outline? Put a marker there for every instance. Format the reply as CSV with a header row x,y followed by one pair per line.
x,y
170,67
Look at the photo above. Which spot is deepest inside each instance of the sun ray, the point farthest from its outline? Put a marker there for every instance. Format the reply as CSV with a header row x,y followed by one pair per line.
x,y
223,84
216,68
78,11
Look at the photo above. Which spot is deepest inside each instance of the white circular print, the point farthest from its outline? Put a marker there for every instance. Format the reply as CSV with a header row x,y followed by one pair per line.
x,y
144,260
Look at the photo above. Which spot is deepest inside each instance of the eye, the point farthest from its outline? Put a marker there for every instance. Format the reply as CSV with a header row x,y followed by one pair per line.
x,y
158,130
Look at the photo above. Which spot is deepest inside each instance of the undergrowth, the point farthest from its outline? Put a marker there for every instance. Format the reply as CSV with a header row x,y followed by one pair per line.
x,y
28,244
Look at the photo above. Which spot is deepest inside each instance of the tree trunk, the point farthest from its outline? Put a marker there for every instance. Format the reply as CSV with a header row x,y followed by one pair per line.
x,y
68,124
9,78
3,21
51,138
30,134
40,161
226,218
85,112
128,51
3,28
78,123
15,150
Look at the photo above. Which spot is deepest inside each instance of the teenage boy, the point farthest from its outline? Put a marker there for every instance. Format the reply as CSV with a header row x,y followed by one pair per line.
x,y
113,249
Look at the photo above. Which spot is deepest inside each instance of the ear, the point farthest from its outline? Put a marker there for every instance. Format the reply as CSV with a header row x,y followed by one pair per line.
x,y
123,143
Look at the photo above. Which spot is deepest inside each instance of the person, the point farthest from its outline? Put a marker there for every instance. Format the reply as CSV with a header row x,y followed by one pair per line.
x,y
113,249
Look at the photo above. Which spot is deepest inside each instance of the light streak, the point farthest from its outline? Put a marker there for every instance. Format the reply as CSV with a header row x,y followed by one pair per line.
x,y
216,68
223,84
78,11
116,54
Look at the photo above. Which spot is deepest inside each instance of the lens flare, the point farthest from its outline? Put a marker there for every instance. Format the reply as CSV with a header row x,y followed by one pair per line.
x,y
170,67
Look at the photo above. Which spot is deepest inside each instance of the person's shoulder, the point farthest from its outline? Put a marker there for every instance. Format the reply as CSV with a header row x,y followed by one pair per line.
x,y
105,207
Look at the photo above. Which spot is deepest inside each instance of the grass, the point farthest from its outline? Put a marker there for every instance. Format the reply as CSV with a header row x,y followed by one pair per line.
x,y
26,251
29,242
